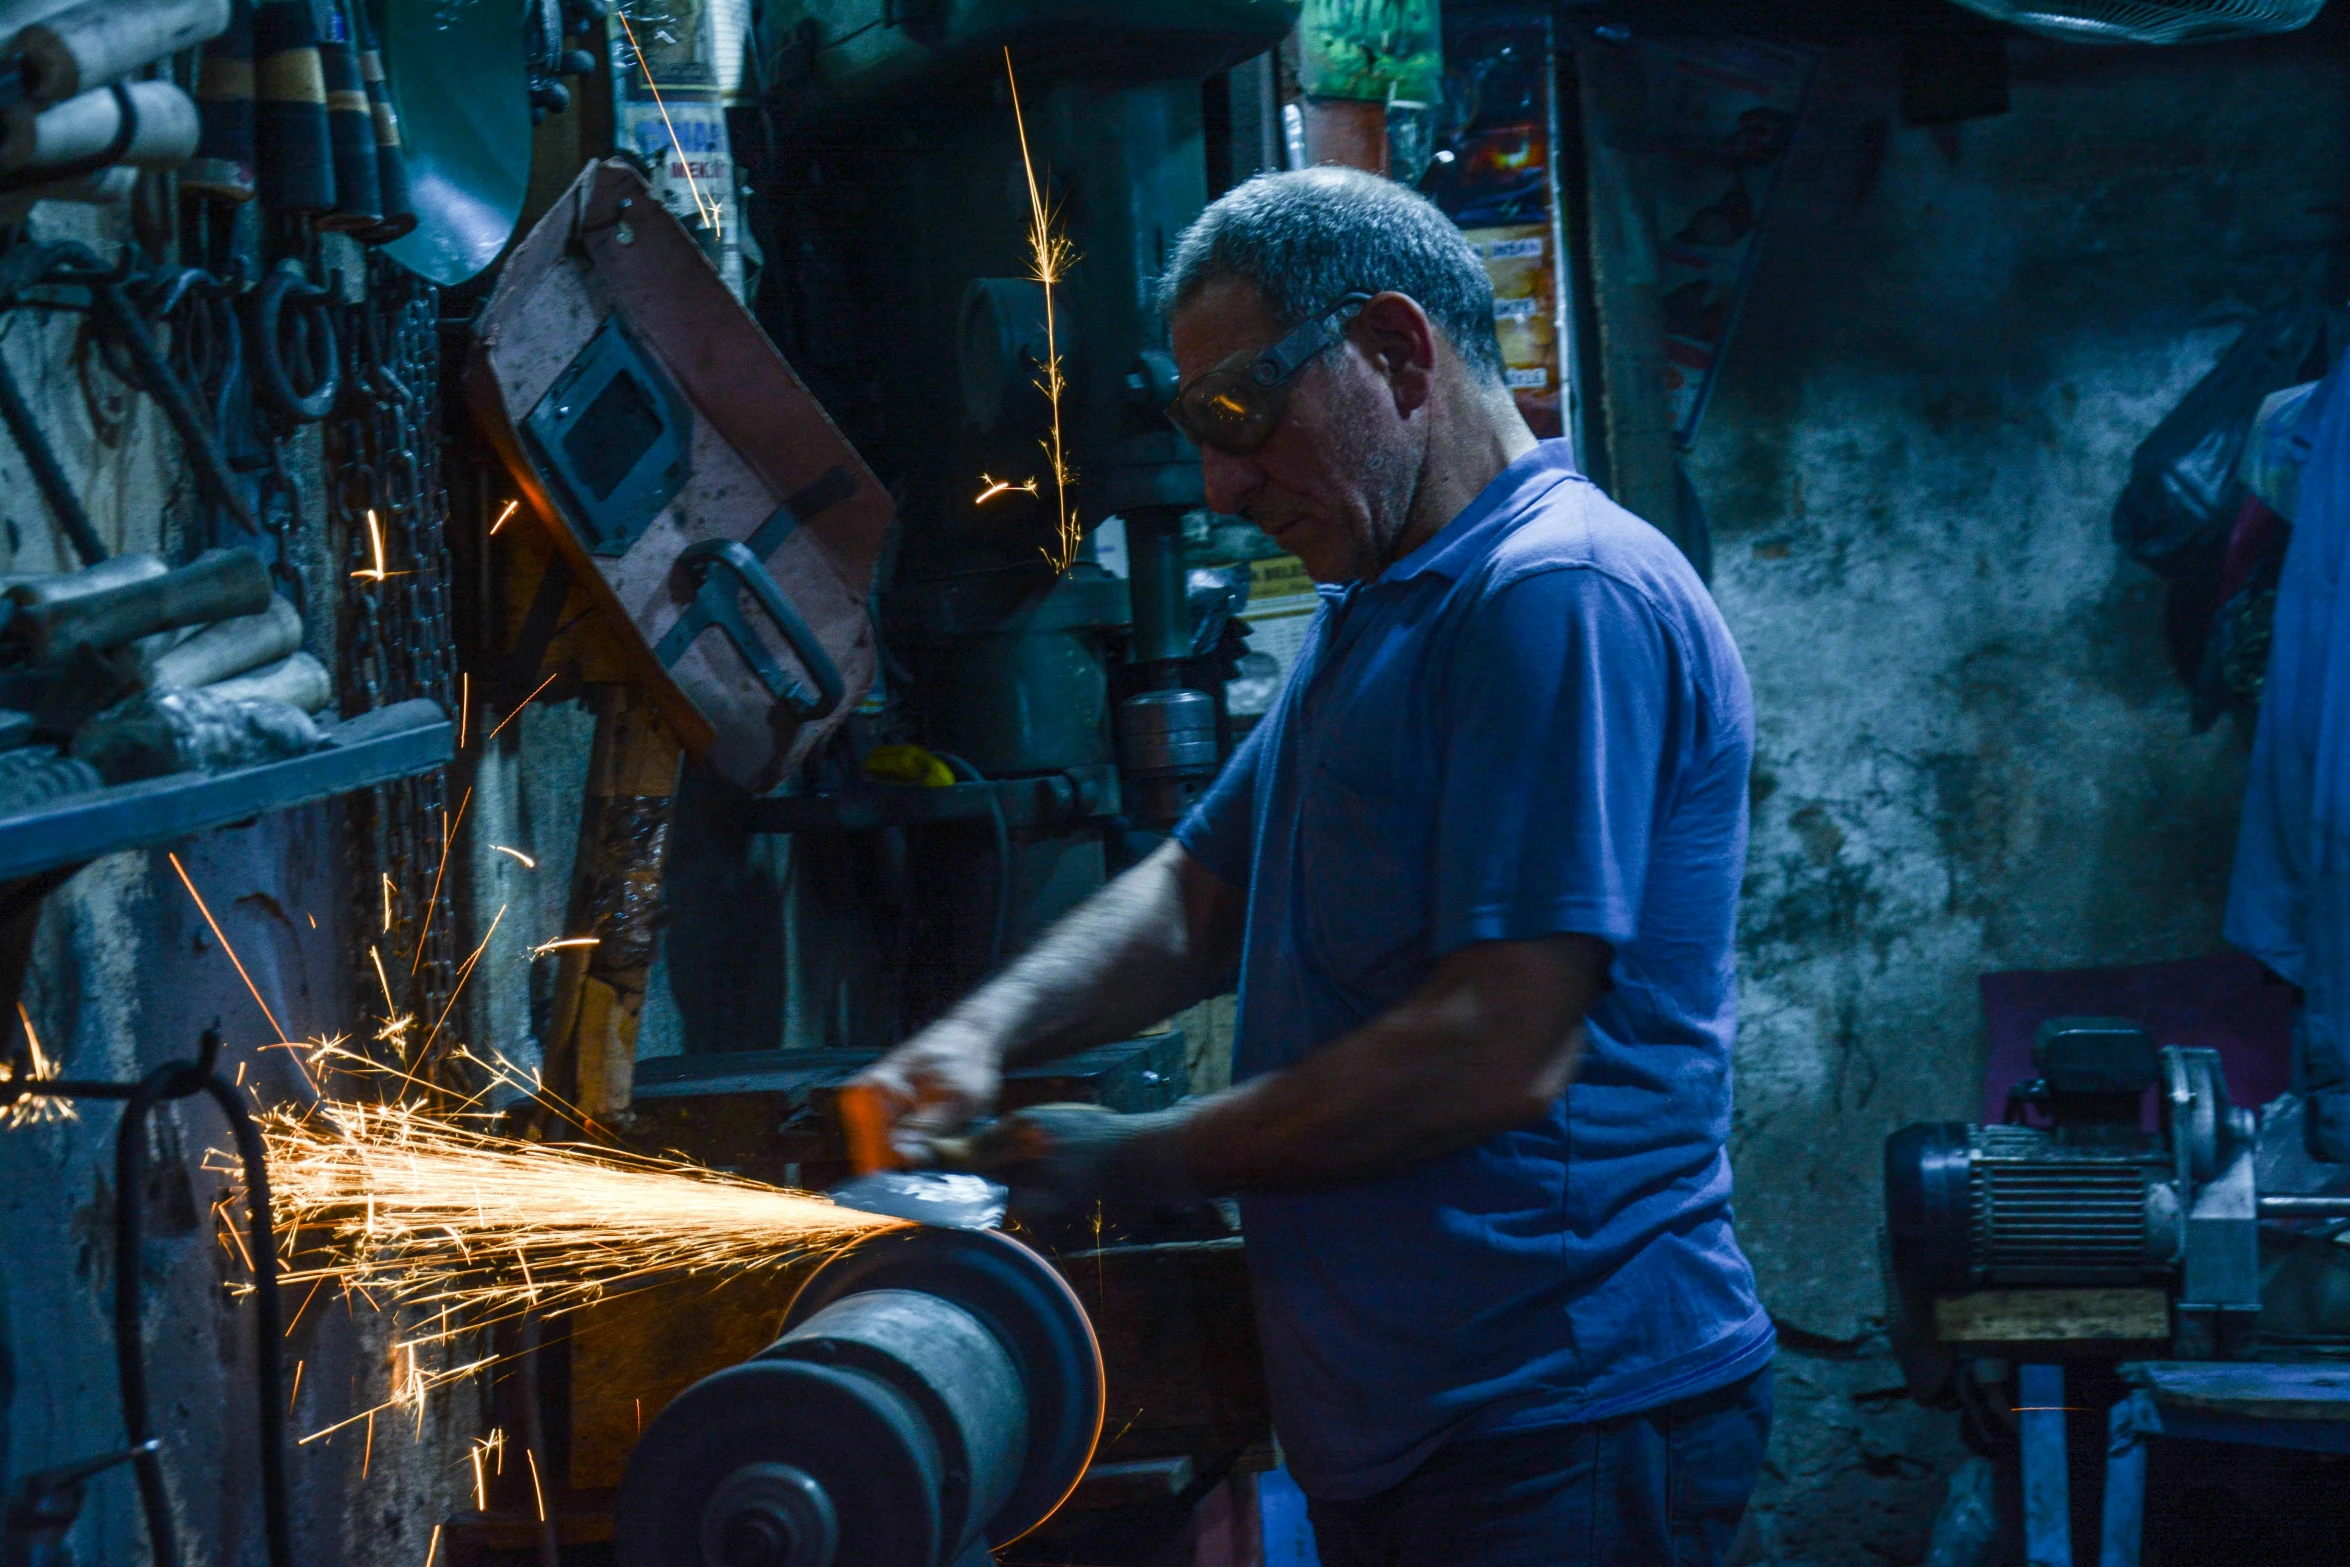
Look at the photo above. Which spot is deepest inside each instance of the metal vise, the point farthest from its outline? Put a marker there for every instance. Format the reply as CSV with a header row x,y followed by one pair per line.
x,y
935,1393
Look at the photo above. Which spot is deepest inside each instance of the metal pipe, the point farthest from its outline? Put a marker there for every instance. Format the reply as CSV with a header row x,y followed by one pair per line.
x,y
55,488
1162,614
2330,1207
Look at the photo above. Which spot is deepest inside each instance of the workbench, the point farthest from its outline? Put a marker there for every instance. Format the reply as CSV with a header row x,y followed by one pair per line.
x,y
2251,1403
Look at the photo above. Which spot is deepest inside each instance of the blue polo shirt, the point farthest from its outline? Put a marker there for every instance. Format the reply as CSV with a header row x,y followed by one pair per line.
x,y
1533,724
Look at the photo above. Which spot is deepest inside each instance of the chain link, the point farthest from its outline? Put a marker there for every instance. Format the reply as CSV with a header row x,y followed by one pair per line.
x,y
390,508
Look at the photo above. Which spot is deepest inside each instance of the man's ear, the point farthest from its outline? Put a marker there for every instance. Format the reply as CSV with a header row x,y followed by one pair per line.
x,y
1397,338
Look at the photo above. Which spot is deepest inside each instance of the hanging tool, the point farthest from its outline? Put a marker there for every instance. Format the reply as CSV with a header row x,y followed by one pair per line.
x,y
97,41
172,1080
293,149
296,368
214,586
222,170
351,130
71,265
48,475
148,125
391,158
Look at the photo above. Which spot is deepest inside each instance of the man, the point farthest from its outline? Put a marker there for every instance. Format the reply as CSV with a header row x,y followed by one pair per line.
x,y
1487,845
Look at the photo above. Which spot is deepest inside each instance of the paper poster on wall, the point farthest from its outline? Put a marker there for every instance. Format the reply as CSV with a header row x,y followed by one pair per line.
x,y
1723,116
1494,176
1525,312
1281,603
670,114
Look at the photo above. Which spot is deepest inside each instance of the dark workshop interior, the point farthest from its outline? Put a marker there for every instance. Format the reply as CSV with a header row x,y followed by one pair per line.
x,y
699,864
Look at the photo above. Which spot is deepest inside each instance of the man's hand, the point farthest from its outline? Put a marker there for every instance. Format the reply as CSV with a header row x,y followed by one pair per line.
x,y
1062,1159
1151,943
932,1085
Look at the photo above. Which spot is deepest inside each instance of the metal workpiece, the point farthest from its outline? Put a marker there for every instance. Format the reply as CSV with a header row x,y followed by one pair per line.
x,y
1167,751
934,1393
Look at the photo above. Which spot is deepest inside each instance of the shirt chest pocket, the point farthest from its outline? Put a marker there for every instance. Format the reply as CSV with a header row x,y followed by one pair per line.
x,y
1366,882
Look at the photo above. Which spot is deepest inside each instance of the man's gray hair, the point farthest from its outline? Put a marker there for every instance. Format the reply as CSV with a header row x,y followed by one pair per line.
x,y
1307,237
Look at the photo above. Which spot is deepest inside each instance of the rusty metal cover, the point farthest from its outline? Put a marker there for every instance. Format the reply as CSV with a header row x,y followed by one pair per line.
x,y
725,527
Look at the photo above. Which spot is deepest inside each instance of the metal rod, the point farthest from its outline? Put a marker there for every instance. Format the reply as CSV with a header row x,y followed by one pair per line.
x,y
2337,1207
160,383
56,489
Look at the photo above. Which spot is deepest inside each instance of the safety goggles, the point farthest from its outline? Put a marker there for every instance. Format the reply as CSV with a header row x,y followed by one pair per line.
x,y
1235,406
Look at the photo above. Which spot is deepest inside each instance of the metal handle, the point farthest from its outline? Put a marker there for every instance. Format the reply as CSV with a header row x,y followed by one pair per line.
x,y
715,604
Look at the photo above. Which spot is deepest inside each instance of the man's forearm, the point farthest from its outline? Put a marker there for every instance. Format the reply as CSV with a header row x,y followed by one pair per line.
x,y
1124,959
1488,1044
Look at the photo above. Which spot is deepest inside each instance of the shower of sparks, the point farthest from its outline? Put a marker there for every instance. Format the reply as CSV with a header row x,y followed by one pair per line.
x,y
435,1214
564,944
995,487
433,1547
532,1459
1050,256
375,548
492,1447
464,704
502,516
528,863
389,891
397,1025
464,973
707,207
33,1109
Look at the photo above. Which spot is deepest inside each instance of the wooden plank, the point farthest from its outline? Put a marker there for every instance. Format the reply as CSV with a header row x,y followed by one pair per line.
x,y
2052,1316
1620,236
2247,1390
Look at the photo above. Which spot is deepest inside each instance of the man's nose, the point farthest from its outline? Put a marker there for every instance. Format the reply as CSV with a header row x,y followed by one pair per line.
x,y
1231,481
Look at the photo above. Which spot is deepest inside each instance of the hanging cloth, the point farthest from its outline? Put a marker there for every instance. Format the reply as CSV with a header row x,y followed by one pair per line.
x,y
2289,897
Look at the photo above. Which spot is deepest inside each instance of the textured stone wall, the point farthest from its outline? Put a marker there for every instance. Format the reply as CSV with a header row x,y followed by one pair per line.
x,y
125,974
1972,755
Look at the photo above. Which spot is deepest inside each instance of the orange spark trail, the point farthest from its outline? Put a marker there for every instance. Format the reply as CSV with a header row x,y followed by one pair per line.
x,y
1049,256
448,836
201,908
518,707
438,1214
708,209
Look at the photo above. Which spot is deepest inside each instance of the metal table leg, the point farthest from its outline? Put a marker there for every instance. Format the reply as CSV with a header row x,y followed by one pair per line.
x,y
2048,1540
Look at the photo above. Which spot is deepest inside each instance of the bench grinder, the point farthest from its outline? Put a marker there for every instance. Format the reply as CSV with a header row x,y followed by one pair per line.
x,y
934,1393
2090,1200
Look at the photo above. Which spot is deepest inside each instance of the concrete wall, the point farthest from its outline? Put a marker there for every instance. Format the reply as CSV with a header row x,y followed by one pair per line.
x,y
1972,755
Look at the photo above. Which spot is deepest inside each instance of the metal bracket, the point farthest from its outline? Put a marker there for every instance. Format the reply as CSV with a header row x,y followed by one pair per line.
x,y
720,570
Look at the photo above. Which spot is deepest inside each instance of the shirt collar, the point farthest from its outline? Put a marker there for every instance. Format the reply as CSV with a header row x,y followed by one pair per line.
x,y
1484,521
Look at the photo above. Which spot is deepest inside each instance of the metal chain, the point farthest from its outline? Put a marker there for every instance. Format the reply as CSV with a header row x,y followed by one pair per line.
x,y
391,510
